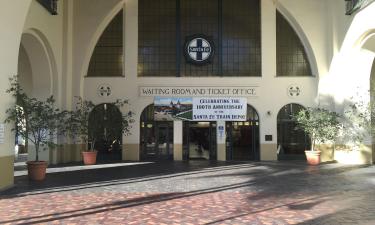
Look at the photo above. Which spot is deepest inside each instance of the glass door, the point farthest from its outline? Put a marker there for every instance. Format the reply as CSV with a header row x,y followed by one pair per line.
x,y
243,140
200,140
157,141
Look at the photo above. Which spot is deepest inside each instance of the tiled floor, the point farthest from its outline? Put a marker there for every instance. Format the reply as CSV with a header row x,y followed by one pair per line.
x,y
196,193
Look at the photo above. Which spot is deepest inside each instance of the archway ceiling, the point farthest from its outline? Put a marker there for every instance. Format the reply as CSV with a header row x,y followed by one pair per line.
x,y
370,44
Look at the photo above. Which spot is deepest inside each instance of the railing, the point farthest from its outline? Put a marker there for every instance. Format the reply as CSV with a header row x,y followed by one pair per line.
x,y
355,5
50,5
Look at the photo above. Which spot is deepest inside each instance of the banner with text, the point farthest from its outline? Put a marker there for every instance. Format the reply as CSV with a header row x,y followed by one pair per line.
x,y
166,91
216,109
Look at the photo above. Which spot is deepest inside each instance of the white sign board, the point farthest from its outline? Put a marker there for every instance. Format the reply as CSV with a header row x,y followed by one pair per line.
x,y
2,133
185,91
219,109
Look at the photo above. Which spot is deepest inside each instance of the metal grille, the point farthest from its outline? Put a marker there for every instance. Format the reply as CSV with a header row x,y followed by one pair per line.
x,y
241,41
291,139
199,17
107,59
234,27
157,38
291,55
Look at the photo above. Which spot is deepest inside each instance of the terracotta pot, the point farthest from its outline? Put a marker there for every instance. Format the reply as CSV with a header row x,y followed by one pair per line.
x,y
37,170
313,157
89,157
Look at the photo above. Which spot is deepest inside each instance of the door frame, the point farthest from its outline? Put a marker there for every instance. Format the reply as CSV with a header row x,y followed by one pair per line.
x,y
156,125
212,142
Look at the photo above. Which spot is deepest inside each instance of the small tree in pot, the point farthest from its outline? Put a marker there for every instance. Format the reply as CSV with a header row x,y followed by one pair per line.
x,y
80,127
321,125
38,121
91,132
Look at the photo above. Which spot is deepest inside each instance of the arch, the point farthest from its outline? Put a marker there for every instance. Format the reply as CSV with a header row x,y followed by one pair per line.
x,y
302,36
24,71
42,61
156,137
92,43
148,113
243,138
104,121
291,141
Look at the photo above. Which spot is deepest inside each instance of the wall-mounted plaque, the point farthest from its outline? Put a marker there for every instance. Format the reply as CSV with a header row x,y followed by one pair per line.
x,y
104,90
294,91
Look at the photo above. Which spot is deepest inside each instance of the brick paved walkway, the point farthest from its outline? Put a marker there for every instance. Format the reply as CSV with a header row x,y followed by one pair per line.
x,y
196,193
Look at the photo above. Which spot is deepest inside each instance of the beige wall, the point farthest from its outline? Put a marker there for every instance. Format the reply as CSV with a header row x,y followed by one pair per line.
x,y
268,152
130,152
6,171
66,153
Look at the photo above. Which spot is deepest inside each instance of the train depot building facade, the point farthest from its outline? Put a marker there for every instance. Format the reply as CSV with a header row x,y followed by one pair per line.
x,y
206,79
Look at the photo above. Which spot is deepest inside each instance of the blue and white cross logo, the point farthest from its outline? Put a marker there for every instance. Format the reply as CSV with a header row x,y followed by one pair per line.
x,y
199,50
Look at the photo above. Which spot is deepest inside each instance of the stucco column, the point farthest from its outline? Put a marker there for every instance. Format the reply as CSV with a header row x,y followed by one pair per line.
x,y
268,123
12,18
177,140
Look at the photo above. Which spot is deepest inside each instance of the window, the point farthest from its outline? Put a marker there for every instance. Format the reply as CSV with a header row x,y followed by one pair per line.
x,y
234,27
199,17
107,59
157,38
241,39
291,55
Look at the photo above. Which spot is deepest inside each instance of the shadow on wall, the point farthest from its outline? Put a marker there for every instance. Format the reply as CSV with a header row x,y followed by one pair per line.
x,y
354,145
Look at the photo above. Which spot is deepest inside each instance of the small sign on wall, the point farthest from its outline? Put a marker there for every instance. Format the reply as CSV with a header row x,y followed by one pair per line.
x,y
2,133
268,137
294,91
104,90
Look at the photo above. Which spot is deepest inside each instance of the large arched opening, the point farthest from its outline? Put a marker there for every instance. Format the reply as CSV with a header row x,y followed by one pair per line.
x,y
36,69
156,137
105,120
243,139
291,141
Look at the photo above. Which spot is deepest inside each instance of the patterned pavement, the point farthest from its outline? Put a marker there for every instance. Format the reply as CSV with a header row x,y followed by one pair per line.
x,y
199,192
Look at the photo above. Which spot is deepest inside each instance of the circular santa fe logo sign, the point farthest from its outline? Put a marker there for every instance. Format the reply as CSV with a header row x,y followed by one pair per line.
x,y
294,91
104,90
199,49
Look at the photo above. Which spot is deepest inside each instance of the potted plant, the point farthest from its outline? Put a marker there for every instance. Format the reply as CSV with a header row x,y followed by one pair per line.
x,y
80,127
91,132
358,129
321,125
38,121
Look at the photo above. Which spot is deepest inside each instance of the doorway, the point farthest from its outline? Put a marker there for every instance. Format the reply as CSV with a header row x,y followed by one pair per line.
x,y
157,141
156,137
242,141
292,141
200,140
106,119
